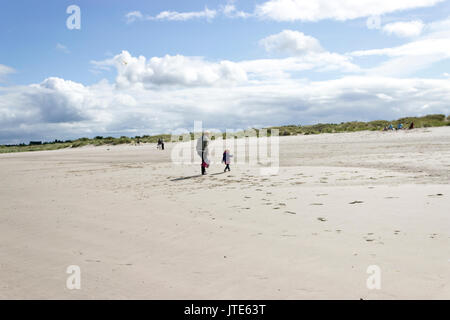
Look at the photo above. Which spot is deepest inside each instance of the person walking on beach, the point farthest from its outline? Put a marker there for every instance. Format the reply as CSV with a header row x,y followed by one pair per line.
x,y
160,144
202,151
226,158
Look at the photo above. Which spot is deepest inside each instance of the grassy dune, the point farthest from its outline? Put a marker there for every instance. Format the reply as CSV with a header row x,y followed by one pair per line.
x,y
435,120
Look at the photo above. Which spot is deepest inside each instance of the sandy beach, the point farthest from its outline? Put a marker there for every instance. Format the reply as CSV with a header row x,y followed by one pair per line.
x,y
141,227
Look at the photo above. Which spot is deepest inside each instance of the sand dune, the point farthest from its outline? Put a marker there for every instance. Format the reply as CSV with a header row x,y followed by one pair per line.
x,y
141,227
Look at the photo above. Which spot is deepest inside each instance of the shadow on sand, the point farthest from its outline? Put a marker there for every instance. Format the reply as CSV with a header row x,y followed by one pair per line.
x,y
218,173
196,176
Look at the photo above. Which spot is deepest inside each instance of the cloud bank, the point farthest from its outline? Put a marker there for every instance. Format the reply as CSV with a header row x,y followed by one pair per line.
x,y
164,94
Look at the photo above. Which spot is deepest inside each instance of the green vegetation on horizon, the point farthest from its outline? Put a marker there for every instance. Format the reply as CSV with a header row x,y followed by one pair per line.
x,y
435,120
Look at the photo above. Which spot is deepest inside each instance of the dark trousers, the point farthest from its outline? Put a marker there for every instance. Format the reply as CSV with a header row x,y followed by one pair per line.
x,y
227,167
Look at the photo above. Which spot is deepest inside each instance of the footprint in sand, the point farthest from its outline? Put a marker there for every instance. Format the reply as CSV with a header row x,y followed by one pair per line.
x,y
321,219
316,204
370,237
435,195
356,202
290,212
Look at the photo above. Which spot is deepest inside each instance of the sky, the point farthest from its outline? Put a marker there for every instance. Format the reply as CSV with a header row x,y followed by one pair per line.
x,y
71,69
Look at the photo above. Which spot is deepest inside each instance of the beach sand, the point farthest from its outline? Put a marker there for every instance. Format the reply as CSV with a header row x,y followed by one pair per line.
x,y
141,227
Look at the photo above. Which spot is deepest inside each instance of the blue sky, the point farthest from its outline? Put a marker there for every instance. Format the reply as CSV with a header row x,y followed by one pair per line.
x,y
143,67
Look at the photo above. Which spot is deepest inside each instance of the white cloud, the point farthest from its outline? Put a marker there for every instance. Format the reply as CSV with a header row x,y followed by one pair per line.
x,y
422,47
306,53
4,71
291,42
183,16
182,71
172,15
134,16
315,10
172,71
230,11
404,29
438,26
276,69
433,46
62,48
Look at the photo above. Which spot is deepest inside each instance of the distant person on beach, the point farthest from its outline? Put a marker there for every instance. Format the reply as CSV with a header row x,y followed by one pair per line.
x,y
160,144
400,126
226,158
411,126
203,151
